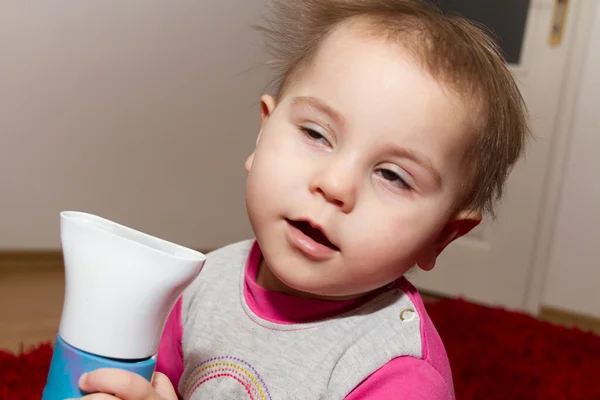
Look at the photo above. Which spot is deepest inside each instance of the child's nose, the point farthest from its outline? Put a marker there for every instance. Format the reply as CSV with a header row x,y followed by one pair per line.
x,y
337,184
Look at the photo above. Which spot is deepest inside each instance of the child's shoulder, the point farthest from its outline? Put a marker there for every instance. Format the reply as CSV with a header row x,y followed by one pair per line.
x,y
392,343
401,325
433,351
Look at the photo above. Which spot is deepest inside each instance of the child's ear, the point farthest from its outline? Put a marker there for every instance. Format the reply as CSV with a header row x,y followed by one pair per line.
x,y
267,105
463,223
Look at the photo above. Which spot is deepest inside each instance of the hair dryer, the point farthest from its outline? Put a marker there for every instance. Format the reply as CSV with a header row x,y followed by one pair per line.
x,y
120,286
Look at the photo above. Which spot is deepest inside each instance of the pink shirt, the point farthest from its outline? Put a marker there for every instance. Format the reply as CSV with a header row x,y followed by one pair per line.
x,y
427,378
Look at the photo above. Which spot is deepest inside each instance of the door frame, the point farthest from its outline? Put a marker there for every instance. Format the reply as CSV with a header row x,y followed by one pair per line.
x,y
581,23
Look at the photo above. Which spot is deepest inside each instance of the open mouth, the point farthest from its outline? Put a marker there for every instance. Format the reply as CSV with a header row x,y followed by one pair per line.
x,y
314,233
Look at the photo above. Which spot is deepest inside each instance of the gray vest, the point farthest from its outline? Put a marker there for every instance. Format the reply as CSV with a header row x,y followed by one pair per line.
x,y
231,353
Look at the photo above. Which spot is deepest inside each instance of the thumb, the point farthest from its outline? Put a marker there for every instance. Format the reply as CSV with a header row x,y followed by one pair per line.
x,y
163,386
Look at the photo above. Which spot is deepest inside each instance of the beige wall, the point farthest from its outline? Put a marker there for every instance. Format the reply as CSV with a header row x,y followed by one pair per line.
x,y
140,111
573,281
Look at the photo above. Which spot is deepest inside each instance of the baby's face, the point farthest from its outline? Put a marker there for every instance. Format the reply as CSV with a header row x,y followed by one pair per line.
x,y
366,147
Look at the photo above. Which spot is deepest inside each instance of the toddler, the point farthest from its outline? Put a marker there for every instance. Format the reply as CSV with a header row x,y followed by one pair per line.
x,y
390,132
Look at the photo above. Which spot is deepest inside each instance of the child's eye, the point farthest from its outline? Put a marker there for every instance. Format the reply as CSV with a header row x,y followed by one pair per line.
x,y
314,135
394,178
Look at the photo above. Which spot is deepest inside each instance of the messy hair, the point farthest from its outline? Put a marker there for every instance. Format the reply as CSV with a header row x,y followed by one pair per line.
x,y
457,52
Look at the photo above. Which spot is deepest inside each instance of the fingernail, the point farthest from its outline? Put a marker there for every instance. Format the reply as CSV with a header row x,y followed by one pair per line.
x,y
82,378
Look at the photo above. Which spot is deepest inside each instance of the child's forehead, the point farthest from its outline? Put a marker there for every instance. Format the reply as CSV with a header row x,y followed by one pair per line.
x,y
369,73
377,87
354,56
370,53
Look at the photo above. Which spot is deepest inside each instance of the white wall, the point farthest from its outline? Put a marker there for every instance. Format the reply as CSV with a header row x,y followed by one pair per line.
x,y
573,281
141,111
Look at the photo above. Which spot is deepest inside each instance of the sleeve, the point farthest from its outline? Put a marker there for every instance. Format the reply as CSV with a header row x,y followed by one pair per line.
x,y
169,360
406,378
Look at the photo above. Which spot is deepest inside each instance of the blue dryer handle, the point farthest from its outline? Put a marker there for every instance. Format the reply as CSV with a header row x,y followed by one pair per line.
x,y
69,363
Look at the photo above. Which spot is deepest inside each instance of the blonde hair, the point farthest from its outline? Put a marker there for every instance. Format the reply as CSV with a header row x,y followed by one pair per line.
x,y
455,51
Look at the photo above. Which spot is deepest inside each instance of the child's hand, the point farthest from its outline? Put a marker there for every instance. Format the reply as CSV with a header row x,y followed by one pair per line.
x,y
125,385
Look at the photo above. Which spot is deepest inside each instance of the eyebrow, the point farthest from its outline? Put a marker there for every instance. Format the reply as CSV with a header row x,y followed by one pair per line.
x,y
314,102
421,160
339,119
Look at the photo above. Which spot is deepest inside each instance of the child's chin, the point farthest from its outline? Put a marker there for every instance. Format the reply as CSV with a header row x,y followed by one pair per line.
x,y
302,287
316,290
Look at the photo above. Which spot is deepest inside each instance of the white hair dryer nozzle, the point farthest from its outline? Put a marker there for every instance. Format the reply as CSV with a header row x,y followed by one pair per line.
x,y
121,285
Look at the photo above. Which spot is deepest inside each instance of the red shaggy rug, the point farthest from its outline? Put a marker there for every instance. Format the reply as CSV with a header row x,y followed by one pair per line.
x,y
495,354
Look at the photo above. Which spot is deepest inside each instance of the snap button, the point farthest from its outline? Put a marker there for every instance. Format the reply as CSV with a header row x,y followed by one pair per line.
x,y
407,315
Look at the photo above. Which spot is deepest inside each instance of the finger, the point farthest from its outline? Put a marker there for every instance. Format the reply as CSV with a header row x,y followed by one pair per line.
x,y
123,384
97,396
163,386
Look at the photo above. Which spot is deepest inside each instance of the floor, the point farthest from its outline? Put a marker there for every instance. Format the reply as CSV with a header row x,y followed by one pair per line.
x,y
31,303
30,306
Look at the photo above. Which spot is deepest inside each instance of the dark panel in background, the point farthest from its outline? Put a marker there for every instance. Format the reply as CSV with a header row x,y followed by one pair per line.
x,y
506,19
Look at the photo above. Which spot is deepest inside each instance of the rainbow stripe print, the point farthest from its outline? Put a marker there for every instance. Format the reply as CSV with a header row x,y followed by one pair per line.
x,y
231,368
